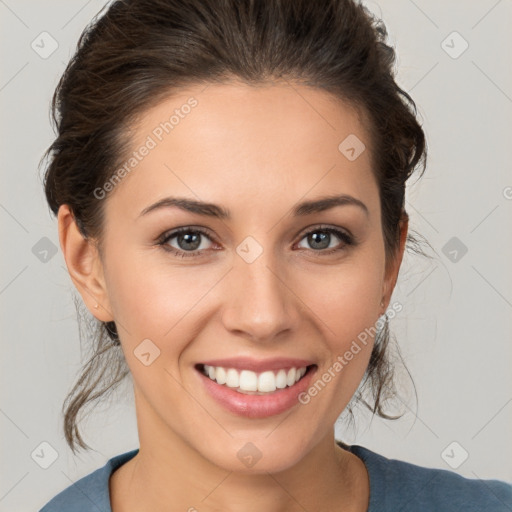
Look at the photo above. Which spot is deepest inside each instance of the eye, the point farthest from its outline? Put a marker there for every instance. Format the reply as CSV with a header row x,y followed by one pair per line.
x,y
189,241
320,238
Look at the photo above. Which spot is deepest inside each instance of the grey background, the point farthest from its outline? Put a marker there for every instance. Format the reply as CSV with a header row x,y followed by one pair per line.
x,y
454,330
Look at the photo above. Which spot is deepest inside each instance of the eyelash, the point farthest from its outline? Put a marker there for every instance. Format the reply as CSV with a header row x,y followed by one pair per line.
x,y
162,241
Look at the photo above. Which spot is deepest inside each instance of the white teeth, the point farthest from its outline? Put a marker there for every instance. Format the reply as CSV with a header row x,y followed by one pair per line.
x,y
220,374
246,380
267,382
290,379
232,378
281,379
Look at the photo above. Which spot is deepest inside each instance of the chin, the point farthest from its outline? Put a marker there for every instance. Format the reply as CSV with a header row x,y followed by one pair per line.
x,y
258,457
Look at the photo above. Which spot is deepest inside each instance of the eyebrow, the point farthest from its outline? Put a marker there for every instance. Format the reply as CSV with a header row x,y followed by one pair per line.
x,y
216,211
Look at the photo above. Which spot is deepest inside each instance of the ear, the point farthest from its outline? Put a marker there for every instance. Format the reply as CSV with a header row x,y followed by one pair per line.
x,y
84,265
393,268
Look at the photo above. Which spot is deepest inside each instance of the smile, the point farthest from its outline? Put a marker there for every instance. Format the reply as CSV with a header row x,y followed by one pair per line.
x,y
249,382
270,392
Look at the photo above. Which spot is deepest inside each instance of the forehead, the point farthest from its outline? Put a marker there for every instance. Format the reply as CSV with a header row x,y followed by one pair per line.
x,y
234,142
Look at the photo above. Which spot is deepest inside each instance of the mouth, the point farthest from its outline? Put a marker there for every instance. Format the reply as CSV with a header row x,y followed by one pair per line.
x,y
255,383
255,394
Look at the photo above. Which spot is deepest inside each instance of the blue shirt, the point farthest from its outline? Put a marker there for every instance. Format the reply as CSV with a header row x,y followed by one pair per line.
x,y
395,486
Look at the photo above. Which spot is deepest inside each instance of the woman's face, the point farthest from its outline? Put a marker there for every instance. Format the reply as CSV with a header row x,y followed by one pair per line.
x,y
264,282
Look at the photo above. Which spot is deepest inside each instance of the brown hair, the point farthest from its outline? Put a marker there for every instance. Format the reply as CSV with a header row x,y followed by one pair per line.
x,y
138,52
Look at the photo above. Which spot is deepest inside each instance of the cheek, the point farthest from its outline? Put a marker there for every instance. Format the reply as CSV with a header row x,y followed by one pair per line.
x,y
345,298
152,298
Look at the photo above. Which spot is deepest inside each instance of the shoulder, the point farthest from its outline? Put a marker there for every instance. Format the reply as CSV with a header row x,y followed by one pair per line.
x,y
91,492
399,485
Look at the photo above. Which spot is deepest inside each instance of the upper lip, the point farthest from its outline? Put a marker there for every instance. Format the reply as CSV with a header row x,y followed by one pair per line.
x,y
259,365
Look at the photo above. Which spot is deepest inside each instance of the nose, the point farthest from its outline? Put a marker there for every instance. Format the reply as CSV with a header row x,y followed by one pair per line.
x,y
260,303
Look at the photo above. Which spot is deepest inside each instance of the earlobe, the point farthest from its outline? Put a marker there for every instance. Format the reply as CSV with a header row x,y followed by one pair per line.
x,y
84,265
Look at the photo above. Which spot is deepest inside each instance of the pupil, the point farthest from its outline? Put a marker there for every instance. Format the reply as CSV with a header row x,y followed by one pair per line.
x,y
320,238
187,238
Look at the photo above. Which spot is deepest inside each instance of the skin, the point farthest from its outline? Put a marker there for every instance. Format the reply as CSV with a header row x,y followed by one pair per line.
x,y
256,151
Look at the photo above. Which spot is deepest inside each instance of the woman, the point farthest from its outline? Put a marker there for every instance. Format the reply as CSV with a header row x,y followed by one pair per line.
x,y
229,181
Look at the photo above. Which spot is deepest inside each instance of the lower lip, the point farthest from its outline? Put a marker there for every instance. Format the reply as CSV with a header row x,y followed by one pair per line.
x,y
257,406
